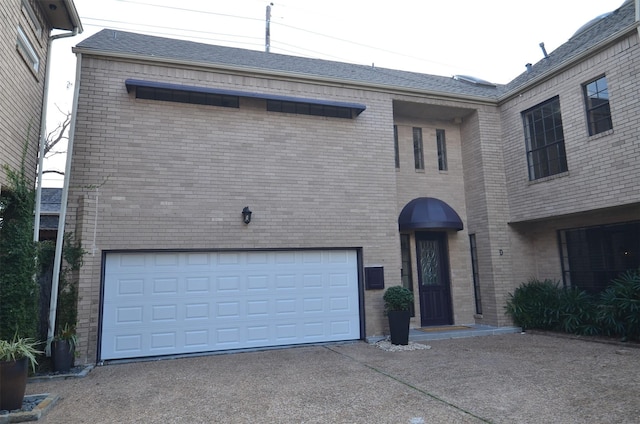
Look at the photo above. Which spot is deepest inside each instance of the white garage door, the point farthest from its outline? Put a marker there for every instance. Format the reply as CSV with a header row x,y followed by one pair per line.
x,y
173,303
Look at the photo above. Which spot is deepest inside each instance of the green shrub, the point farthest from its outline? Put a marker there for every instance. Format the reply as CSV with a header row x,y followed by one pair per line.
x,y
397,298
18,288
619,307
544,305
577,312
535,305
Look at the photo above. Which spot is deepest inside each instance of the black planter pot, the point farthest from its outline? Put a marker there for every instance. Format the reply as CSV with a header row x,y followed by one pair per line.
x,y
399,326
62,355
13,383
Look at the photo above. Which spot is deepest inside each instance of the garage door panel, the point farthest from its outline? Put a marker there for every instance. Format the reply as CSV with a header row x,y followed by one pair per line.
x,y
171,303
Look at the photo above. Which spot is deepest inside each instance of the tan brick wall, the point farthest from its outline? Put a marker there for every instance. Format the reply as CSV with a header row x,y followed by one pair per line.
x,y
21,88
488,210
603,169
447,186
176,176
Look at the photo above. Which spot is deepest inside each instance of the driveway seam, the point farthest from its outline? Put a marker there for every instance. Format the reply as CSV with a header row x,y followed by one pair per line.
x,y
419,390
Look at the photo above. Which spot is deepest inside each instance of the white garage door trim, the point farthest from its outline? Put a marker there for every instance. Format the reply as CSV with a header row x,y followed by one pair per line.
x,y
167,303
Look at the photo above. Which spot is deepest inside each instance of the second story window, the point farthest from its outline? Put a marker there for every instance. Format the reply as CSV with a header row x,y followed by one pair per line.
x,y
442,150
545,139
395,145
28,52
596,97
417,148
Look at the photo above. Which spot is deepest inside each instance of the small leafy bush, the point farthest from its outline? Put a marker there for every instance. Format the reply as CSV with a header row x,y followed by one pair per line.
x,y
397,298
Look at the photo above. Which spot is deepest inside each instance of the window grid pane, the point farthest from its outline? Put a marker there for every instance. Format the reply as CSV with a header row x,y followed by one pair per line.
x,y
592,256
596,95
544,137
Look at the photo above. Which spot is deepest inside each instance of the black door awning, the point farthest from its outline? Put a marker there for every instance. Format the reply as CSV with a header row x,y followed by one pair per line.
x,y
428,213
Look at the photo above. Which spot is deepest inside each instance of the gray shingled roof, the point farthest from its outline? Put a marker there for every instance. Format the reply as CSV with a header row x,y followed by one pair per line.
x,y
50,201
127,43
599,30
119,42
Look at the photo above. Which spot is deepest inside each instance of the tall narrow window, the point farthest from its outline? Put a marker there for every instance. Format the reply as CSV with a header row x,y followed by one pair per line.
x,y
417,148
442,150
476,275
545,139
26,49
596,97
405,273
395,145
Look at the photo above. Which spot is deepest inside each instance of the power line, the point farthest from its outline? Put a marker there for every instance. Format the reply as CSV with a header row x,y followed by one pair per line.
x,y
275,41
121,28
170,28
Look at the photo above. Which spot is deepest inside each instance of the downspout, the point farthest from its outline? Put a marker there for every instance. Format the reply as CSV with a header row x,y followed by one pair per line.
x,y
43,129
638,16
63,207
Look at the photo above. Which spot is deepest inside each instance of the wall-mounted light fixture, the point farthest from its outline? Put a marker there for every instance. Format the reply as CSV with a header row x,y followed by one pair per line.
x,y
246,215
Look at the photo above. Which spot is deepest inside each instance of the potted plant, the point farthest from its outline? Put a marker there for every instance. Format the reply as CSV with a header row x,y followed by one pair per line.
x,y
397,305
15,357
63,349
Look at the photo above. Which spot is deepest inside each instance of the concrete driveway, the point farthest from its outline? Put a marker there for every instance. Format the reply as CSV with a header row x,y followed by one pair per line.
x,y
512,378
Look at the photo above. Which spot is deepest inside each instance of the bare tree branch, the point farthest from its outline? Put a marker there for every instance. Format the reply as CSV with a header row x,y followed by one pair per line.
x,y
57,134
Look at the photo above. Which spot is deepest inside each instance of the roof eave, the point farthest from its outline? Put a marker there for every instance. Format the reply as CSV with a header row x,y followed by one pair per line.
x,y
562,66
62,14
287,75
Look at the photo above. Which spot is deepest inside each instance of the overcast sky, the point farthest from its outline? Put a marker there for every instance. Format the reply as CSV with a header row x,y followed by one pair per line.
x,y
490,39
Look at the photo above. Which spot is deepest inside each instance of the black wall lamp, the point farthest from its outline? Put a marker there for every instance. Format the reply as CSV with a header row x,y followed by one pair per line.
x,y
246,215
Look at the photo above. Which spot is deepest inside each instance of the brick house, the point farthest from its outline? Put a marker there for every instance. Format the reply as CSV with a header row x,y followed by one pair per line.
x,y
25,36
356,176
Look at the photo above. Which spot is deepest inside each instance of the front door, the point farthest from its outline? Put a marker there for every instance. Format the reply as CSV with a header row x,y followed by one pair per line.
x,y
433,278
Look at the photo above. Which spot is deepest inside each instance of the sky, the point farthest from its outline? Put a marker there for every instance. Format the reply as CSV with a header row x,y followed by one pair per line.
x,y
490,39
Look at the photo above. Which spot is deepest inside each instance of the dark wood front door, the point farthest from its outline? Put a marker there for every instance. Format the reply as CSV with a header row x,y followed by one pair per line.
x,y
433,278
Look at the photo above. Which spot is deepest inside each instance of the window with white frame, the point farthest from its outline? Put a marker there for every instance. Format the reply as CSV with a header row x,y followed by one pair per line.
x,y
26,49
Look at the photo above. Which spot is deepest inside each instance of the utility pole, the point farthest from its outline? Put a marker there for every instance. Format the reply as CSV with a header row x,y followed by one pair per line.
x,y
267,39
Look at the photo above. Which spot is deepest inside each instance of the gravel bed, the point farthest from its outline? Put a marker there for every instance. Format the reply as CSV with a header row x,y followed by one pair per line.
x,y
386,345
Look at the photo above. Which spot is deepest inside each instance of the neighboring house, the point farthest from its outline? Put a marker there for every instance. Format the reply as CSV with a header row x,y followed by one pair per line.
x,y
50,202
356,176
25,27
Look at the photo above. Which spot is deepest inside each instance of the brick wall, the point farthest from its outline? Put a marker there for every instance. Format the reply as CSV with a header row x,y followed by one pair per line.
x,y
602,169
447,186
176,176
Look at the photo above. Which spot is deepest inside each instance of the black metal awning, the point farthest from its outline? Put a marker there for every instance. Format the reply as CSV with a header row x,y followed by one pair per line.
x,y
428,213
357,108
